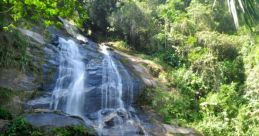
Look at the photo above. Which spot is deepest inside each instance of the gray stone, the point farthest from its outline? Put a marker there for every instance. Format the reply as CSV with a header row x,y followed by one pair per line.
x,y
171,130
54,40
3,123
72,30
41,102
16,80
35,36
48,119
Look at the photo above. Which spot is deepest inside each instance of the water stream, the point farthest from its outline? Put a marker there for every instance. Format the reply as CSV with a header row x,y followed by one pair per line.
x,y
115,117
70,82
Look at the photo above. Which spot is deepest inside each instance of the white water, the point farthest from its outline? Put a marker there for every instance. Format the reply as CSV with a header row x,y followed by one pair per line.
x,y
112,101
111,83
69,94
70,82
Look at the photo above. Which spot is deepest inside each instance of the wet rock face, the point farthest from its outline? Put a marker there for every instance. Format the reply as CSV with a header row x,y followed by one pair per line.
x,y
16,80
172,130
52,120
121,83
49,67
94,68
93,60
107,84
39,75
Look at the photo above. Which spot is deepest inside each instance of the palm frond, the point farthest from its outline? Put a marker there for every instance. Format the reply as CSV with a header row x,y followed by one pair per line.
x,y
245,9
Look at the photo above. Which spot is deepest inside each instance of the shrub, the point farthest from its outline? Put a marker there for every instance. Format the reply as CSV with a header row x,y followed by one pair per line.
x,y
4,114
232,71
171,57
20,127
219,110
13,51
171,106
5,95
206,67
79,130
201,15
121,45
225,47
179,105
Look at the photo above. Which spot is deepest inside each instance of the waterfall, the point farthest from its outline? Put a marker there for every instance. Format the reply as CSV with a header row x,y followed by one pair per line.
x,y
70,83
113,108
111,83
115,116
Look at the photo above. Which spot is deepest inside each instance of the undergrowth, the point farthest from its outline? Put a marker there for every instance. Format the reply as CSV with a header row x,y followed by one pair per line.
x,y
13,50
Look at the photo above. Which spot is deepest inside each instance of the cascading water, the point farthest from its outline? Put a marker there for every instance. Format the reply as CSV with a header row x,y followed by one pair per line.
x,y
115,116
70,83
111,83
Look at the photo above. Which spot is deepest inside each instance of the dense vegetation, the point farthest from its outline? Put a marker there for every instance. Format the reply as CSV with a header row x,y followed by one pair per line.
x,y
206,52
207,59
20,127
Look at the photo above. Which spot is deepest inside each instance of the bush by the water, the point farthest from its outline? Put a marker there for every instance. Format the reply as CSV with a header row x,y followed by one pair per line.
x,y
20,127
73,131
4,114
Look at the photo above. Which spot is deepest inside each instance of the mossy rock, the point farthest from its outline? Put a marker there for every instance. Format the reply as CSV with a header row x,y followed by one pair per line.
x,y
14,100
20,127
155,70
78,130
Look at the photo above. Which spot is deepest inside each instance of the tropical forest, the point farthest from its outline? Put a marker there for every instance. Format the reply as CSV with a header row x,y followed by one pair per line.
x,y
129,67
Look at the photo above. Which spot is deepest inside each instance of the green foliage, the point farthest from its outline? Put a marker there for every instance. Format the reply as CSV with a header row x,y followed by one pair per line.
x,y
191,41
134,23
4,114
13,50
210,69
172,58
19,127
45,10
221,45
201,15
220,111
172,106
212,74
99,12
232,71
224,21
246,12
224,103
73,130
5,95
121,45
180,105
